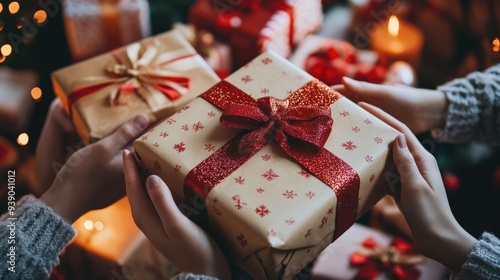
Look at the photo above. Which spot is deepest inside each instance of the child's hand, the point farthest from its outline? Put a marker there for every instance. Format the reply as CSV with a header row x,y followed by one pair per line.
x,y
92,177
423,201
181,241
420,109
57,141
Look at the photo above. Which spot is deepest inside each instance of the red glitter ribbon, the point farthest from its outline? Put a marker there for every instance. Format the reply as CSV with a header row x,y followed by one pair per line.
x,y
300,124
398,260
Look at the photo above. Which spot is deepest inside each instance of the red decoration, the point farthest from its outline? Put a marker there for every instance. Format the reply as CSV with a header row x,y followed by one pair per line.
x,y
398,260
300,125
451,182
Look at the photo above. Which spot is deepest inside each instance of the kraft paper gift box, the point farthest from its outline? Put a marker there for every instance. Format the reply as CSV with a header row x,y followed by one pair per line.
x,y
253,26
358,253
108,245
94,27
272,207
157,76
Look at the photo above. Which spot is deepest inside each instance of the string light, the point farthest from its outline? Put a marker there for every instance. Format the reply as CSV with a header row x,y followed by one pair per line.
x,y
88,225
14,7
40,16
496,44
20,23
23,139
6,50
2,58
36,93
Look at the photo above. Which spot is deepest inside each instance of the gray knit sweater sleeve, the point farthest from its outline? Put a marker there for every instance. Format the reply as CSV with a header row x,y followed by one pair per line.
x,y
473,112
484,260
39,235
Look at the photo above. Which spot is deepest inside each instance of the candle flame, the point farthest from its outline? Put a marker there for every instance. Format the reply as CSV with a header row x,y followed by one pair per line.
x,y
496,44
393,26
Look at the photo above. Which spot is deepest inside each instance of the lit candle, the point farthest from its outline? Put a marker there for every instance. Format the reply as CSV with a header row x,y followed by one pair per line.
x,y
398,40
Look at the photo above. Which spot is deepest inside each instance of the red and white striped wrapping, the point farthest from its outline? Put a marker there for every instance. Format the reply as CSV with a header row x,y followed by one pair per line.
x,y
94,27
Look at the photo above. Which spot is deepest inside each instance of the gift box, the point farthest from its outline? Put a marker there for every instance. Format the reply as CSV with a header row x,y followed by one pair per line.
x,y
366,253
157,76
251,26
94,27
329,60
216,54
16,103
273,196
108,245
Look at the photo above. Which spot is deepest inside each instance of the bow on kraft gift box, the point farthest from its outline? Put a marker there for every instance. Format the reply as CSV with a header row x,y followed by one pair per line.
x,y
282,163
366,253
253,26
157,76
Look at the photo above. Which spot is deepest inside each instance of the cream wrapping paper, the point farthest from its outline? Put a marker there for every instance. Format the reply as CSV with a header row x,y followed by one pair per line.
x,y
271,215
93,115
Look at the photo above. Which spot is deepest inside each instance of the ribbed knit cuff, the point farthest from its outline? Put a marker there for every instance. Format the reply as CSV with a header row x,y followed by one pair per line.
x,y
41,236
484,260
190,276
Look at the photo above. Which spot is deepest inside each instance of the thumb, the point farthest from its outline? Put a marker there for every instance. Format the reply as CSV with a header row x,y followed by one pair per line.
x,y
125,134
161,197
406,165
362,91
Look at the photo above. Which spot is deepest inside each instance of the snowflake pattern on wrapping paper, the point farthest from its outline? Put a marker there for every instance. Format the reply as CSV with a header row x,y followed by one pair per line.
x,y
372,177
344,114
290,221
185,108
170,121
310,194
330,211
367,121
217,211
298,78
164,134
266,157
246,79
284,74
369,158
177,168
197,126
288,92
270,175
349,145
304,174
185,127
157,165
308,233
242,239
215,200
239,180
264,91
209,147
271,233
211,114
355,129
145,137
323,222
289,194
266,60
180,147
378,140
262,210
259,190
156,145
239,204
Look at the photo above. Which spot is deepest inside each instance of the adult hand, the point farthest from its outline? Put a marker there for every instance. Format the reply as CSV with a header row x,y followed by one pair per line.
x,y
92,177
422,199
181,241
57,141
420,109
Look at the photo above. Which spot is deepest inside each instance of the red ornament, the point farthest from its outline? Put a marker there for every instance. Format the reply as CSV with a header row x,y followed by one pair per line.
x,y
451,182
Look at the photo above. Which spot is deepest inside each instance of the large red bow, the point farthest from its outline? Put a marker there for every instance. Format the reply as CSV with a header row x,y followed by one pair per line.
x,y
300,124
398,260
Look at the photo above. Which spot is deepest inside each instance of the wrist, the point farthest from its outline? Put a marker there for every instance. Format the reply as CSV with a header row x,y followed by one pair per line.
x,y
62,205
437,105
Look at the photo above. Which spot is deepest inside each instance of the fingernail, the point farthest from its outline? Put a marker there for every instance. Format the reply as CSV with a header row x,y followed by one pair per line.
x,y
141,121
152,181
125,153
402,141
